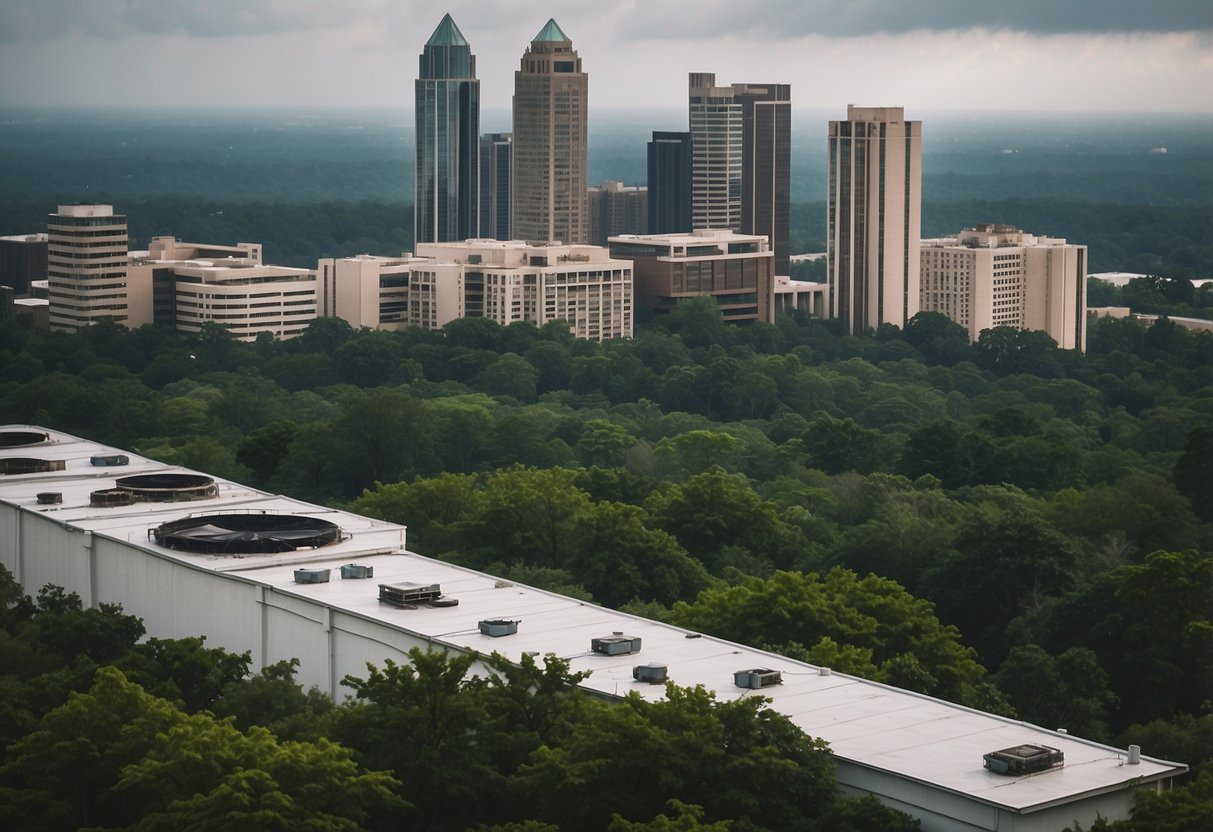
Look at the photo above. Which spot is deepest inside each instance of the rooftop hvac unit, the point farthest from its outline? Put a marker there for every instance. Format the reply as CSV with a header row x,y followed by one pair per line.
x,y
110,497
498,627
312,576
758,677
17,438
409,596
109,460
169,488
652,673
29,465
354,570
1024,759
245,534
615,645
49,498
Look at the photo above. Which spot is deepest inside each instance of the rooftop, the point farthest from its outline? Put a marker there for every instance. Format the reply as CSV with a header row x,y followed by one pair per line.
x,y
447,34
551,33
916,738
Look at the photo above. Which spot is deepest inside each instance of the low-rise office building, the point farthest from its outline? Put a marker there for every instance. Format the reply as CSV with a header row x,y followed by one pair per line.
x,y
735,269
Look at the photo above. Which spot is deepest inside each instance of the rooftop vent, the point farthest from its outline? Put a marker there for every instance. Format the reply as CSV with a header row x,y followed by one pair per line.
x,y
498,627
245,534
1024,759
17,438
110,497
410,596
758,677
312,576
49,498
29,465
169,488
652,673
615,645
109,460
354,570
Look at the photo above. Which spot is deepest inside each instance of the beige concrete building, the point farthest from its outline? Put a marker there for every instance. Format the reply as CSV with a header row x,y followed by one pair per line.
x,y
366,290
736,269
997,275
793,296
87,272
716,153
874,217
508,281
191,284
551,95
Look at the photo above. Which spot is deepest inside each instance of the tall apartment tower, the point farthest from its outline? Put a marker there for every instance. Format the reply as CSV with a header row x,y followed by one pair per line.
x,y
496,174
670,183
766,164
446,192
716,138
874,217
87,269
550,117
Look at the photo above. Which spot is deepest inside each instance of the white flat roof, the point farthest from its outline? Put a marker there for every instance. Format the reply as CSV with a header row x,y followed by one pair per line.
x,y
912,736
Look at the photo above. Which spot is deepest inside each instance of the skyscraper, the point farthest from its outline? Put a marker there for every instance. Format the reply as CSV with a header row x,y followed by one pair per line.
x,y
715,117
446,192
496,174
766,164
670,183
874,217
550,176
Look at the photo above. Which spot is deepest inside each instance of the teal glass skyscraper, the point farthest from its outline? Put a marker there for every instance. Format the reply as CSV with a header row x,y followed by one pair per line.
x,y
446,188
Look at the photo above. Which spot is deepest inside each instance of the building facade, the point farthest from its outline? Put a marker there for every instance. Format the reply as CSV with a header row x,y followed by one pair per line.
x,y
615,208
496,176
22,261
86,270
874,217
716,138
366,290
735,269
669,163
446,188
515,281
766,170
997,275
550,139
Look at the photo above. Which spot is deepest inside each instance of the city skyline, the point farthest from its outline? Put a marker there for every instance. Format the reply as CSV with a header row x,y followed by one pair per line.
x,y
939,55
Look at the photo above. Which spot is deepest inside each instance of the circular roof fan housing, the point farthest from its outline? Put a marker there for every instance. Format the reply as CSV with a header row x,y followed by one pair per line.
x,y
246,534
17,438
168,488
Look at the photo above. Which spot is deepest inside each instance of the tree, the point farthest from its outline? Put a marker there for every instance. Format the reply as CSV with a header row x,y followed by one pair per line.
x,y
604,443
1193,472
1067,691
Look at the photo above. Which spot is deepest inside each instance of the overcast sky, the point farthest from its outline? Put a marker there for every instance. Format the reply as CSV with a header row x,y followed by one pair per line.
x,y
1052,55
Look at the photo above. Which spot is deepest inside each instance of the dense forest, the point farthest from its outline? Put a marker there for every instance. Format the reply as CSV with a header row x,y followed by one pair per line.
x,y
1004,524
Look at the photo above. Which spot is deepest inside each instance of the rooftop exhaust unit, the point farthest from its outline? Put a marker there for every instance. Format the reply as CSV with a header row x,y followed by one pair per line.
x,y
312,576
110,497
245,534
354,570
410,596
168,488
758,677
29,465
615,645
498,627
1024,759
109,460
653,673
49,498
18,438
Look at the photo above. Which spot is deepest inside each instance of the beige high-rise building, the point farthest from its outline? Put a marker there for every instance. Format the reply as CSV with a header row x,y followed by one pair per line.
x,y
996,275
87,274
874,217
716,153
550,139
